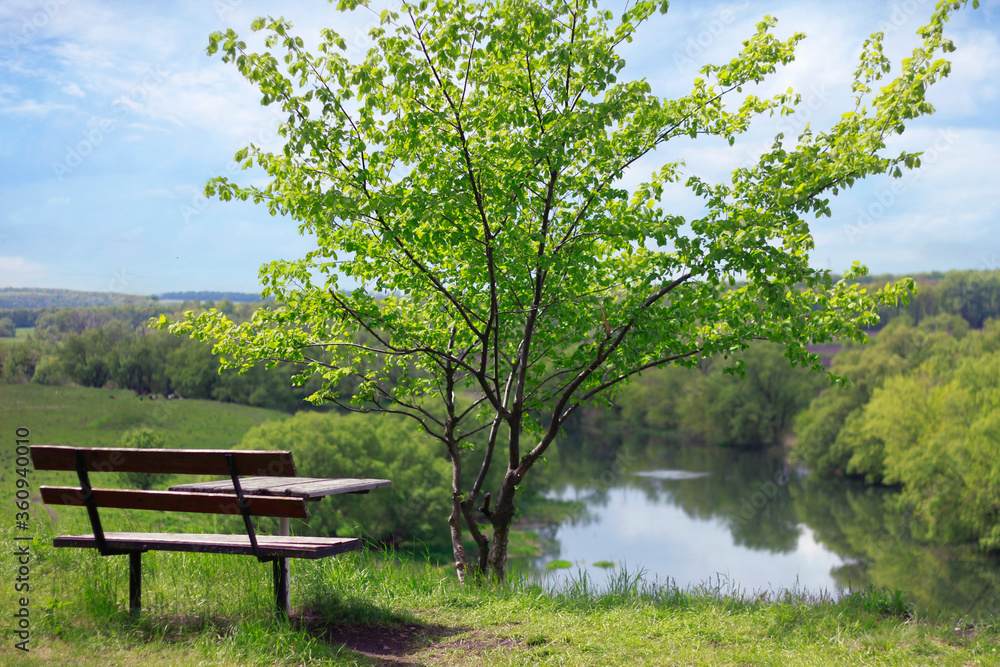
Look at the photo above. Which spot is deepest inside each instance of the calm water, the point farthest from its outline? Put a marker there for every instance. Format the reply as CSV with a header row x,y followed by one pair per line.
x,y
696,515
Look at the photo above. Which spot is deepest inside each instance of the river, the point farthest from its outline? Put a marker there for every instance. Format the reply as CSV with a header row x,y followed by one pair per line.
x,y
744,521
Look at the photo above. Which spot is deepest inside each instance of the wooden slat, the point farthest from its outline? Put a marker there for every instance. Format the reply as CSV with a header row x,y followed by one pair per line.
x,y
172,501
169,461
271,546
298,487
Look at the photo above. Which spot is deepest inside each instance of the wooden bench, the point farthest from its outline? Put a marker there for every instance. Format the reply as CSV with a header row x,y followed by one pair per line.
x,y
228,497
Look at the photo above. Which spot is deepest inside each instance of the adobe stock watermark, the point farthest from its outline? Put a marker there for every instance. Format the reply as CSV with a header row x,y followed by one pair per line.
x,y
97,132
710,30
887,197
901,13
624,460
268,131
766,491
805,109
119,281
34,22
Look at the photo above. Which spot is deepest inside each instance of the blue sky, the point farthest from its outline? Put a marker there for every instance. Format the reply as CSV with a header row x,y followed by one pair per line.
x,y
112,118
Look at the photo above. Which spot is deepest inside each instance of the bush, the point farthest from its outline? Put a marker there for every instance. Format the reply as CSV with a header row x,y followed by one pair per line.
x,y
18,362
142,438
412,512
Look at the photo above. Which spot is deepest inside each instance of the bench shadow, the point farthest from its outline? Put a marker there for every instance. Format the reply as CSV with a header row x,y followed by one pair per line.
x,y
382,644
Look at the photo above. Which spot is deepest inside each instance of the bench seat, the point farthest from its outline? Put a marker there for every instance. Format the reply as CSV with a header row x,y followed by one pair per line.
x,y
270,546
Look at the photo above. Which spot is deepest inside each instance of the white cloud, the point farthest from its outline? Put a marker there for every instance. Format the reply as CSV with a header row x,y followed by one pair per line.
x,y
72,89
20,272
75,56
33,107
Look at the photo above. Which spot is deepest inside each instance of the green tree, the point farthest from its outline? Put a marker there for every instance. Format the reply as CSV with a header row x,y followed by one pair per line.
x,y
753,411
18,362
7,328
87,358
260,387
934,432
193,370
828,435
975,295
138,361
464,178
142,438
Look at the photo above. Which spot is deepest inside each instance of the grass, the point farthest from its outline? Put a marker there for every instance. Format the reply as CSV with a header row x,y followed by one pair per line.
x,y
21,335
89,417
370,608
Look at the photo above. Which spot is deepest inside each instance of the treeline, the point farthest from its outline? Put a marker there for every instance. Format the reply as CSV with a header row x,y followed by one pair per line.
x,y
923,414
239,297
972,295
53,322
35,297
112,347
706,404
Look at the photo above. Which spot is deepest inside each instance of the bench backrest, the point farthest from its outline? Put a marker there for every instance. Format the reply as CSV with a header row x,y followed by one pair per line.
x,y
259,463
232,463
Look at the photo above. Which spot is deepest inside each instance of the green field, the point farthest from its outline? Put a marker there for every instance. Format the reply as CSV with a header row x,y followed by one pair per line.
x,y
20,335
87,417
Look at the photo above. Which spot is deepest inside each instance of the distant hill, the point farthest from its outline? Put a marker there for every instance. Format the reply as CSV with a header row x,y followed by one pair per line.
x,y
34,297
211,296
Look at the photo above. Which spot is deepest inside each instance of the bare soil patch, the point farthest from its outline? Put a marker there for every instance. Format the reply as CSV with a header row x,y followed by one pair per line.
x,y
408,644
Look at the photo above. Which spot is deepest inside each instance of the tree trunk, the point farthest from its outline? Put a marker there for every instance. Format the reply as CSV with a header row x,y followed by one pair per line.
x,y
455,524
501,519
455,518
482,543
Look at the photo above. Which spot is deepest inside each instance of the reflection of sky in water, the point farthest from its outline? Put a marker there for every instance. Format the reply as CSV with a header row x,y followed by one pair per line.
x,y
671,474
661,539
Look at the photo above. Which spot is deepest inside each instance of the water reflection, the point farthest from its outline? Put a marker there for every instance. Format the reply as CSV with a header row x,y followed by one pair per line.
x,y
693,513
866,526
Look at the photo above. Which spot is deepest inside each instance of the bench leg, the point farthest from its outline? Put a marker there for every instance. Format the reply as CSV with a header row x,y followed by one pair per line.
x,y
281,588
282,578
134,583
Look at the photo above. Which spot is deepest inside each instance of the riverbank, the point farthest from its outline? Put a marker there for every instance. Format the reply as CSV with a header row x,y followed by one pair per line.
x,y
372,609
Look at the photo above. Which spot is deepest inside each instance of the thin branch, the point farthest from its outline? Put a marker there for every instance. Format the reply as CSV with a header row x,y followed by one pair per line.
x,y
652,364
